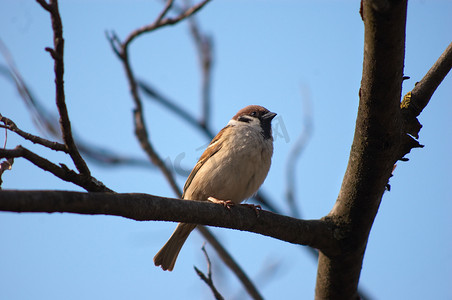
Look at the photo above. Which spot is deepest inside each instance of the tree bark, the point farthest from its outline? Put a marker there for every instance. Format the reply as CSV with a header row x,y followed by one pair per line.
x,y
143,207
375,149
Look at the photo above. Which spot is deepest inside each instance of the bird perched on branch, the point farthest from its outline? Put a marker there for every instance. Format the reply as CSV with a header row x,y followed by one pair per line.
x,y
230,170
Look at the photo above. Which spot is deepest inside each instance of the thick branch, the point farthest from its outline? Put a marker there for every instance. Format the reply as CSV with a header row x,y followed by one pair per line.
x,y
377,139
143,207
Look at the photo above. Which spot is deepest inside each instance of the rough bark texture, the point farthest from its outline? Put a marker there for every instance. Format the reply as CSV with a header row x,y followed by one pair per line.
x,y
374,151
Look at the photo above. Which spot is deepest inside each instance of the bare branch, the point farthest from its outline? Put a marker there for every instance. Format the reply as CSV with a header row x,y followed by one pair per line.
x,y
229,261
44,5
415,101
43,120
161,22
208,278
171,105
57,54
143,207
87,182
108,158
47,123
204,47
10,125
121,49
424,89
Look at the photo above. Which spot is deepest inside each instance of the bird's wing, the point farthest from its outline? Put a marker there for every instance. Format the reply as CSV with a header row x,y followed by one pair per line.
x,y
214,146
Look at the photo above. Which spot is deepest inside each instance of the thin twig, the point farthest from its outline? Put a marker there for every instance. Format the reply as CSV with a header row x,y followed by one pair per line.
x,y
107,158
415,101
43,120
230,262
171,105
424,89
57,54
161,22
47,123
87,182
10,125
204,47
208,279
122,49
6,137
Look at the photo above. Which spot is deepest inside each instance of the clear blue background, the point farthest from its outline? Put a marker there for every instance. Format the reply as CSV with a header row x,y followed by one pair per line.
x,y
271,53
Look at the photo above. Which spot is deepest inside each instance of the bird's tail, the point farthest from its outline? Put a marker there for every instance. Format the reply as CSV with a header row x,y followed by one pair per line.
x,y
166,257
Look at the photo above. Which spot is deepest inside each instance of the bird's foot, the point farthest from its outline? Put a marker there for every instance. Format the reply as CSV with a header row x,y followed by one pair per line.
x,y
226,203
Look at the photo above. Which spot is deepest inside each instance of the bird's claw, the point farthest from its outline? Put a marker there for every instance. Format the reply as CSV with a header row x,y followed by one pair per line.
x,y
226,203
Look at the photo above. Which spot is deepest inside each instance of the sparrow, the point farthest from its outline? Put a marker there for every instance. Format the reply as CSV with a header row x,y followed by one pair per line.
x,y
232,168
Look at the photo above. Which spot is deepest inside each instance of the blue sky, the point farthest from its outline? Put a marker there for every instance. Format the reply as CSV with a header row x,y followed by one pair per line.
x,y
270,53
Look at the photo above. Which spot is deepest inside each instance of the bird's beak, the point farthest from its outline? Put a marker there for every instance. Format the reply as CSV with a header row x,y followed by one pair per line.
x,y
268,116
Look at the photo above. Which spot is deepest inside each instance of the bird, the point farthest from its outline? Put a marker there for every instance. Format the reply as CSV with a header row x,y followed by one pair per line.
x,y
230,170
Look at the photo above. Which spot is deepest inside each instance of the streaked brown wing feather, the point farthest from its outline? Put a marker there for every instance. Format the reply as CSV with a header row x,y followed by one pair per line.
x,y
214,146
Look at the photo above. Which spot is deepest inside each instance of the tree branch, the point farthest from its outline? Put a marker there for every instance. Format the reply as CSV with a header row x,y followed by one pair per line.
x,y
204,47
57,54
10,125
121,49
208,278
172,106
143,207
161,22
229,261
415,101
376,143
89,183
47,123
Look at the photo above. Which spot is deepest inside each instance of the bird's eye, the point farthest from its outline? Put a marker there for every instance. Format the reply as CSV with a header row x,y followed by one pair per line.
x,y
253,114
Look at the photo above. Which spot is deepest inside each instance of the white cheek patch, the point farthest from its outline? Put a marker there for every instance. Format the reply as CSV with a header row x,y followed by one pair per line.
x,y
254,122
233,122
